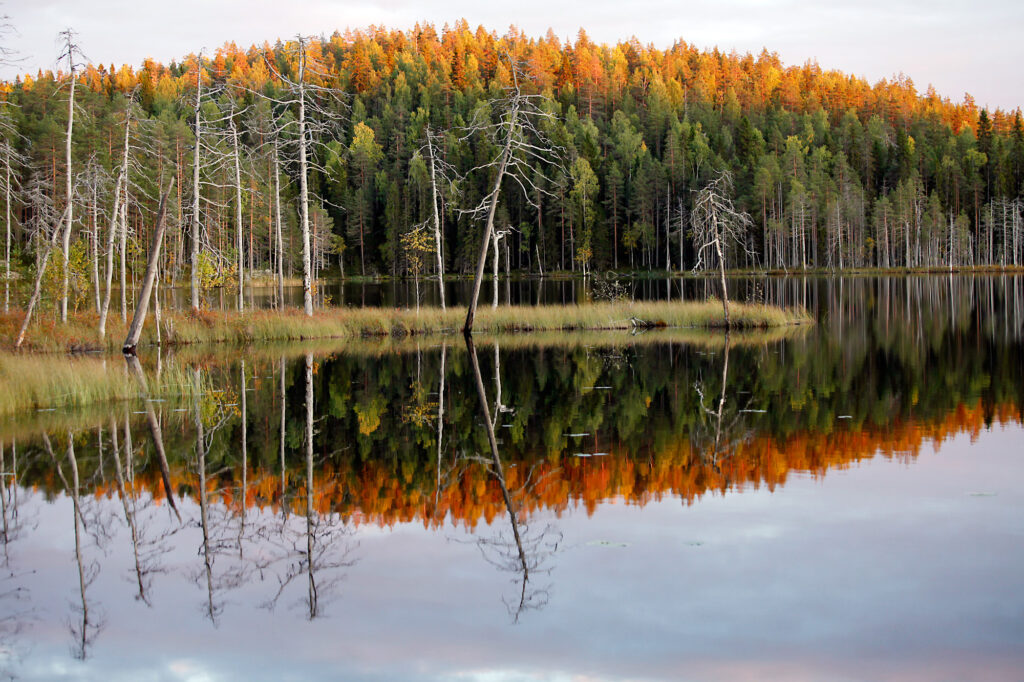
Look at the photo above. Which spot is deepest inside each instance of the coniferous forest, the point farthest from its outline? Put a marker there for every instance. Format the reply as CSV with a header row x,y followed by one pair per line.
x,y
834,172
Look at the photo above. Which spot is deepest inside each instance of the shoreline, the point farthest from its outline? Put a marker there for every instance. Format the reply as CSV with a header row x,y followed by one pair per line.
x,y
258,326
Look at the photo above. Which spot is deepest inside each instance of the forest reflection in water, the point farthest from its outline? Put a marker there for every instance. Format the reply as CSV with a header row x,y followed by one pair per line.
x,y
259,501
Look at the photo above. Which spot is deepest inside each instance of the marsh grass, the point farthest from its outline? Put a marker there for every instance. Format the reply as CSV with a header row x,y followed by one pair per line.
x,y
183,328
34,382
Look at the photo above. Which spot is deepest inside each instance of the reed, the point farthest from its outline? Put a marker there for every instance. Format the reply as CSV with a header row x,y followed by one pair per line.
x,y
33,382
183,328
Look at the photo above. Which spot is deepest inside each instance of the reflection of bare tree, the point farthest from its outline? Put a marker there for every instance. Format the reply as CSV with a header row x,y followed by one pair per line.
x,y
284,405
14,616
154,427
317,547
213,521
526,553
725,432
440,419
242,510
88,624
8,499
147,547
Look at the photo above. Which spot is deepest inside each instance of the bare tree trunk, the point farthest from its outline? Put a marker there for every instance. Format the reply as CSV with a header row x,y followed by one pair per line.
x,y
277,226
725,291
238,215
37,287
196,222
7,222
94,242
495,238
488,229
111,236
135,330
437,221
124,254
68,184
307,293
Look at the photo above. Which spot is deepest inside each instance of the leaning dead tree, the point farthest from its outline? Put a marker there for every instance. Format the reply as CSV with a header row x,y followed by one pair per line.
x,y
519,132
526,552
44,227
135,331
716,224
318,110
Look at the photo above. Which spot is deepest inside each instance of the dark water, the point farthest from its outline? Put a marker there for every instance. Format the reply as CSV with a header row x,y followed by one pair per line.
x,y
842,502
809,291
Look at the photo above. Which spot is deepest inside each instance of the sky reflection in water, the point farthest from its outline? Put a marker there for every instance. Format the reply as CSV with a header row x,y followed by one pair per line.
x,y
789,550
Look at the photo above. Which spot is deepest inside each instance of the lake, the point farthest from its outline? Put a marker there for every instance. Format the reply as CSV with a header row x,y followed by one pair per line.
x,y
837,502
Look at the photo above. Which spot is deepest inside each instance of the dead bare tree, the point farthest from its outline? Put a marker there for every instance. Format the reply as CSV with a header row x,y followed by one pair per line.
x,y
135,331
518,132
45,229
321,547
72,53
115,221
9,186
317,120
716,224
526,553
443,178
85,630
196,226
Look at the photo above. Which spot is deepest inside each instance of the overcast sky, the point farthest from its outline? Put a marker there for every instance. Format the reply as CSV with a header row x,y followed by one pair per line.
x,y
956,46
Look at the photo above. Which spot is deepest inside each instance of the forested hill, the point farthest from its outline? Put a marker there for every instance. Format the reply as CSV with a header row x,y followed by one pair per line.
x,y
834,171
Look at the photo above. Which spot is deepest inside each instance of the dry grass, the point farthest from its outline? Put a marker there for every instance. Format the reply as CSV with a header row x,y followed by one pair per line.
x,y
349,323
32,382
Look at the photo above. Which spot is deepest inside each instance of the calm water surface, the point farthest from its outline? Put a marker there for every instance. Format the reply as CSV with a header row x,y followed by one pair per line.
x,y
842,502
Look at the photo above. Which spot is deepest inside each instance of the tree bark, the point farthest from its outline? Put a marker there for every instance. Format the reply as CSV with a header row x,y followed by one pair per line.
x,y
37,286
238,216
111,236
135,330
437,221
196,223
489,228
307,292
277,226
68,184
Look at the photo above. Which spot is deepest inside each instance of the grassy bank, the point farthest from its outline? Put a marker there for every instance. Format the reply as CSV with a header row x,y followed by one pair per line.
x,y
38,383
41,391
79,334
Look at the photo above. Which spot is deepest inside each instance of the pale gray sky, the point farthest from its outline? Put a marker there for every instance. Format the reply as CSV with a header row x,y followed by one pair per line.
x,y
956,46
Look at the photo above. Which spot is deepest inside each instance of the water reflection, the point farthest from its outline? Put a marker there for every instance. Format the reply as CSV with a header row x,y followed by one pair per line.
x,y
527,553
317,550
265,494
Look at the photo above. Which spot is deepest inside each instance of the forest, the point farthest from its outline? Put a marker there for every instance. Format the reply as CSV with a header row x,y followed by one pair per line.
x,y
386,144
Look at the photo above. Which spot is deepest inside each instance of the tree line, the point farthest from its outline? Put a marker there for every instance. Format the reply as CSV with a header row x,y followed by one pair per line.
x,y
379,152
